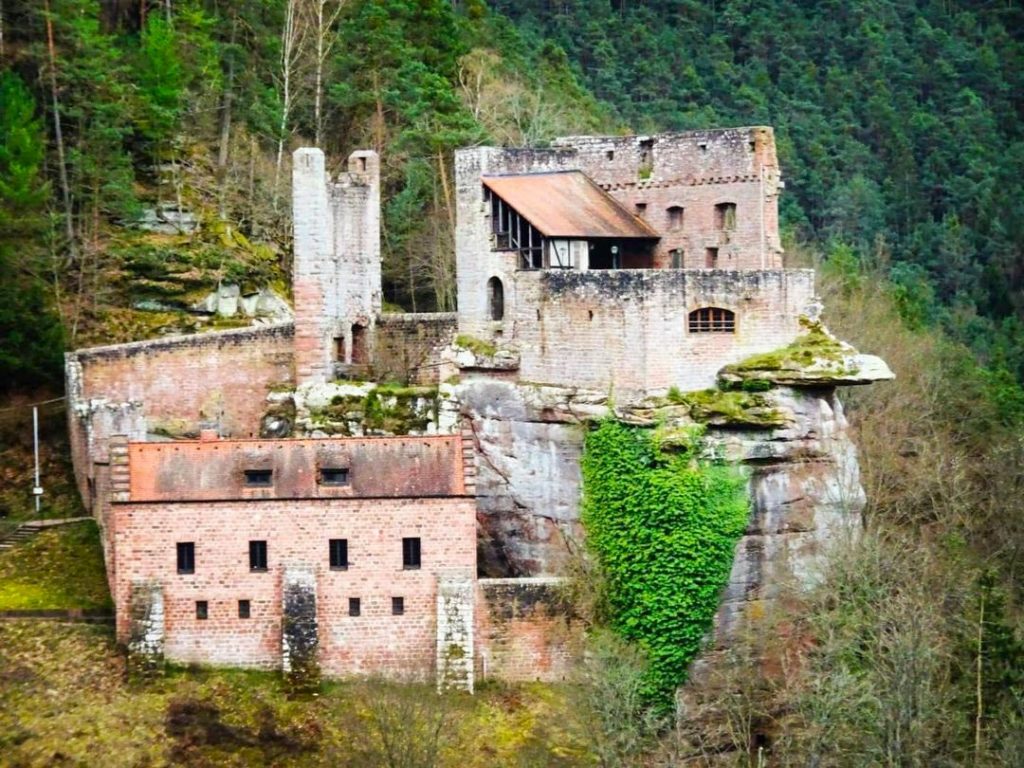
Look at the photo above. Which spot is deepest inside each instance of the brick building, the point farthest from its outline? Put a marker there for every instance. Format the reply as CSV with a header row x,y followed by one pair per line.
x,y
627,263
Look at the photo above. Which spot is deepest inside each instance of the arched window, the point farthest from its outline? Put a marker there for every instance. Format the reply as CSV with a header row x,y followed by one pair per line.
x,y
675,217
712,320
495,299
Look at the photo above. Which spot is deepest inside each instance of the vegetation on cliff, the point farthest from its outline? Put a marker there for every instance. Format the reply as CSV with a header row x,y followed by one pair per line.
x,y
663,527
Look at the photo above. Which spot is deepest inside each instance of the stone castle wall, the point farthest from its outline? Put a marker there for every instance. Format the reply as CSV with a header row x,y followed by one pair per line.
x,y
695,171
525,630
337,278
172,386
628,329
408,346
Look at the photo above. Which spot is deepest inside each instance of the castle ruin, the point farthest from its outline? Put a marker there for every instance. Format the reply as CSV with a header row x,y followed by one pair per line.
x,y
264,501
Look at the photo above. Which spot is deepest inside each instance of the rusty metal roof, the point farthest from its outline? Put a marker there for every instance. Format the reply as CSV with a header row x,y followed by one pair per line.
x,y
568,204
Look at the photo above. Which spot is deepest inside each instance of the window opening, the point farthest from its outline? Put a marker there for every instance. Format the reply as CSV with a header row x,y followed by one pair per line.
x,y
496,299
514,233
712,320
411,553
610,154
677,258
397,606
338,553
334,476
186,557
244,610
711,258
641,209
360,353
257,555
259,478
675,217
725,217
202,609
339,349
353,606
646,159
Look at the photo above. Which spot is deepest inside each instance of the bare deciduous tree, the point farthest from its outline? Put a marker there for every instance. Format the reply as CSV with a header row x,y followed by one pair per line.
x,y
293,40
323,16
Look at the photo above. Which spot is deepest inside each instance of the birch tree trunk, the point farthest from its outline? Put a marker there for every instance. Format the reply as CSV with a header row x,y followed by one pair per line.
x,y
62,169
292,38
325,15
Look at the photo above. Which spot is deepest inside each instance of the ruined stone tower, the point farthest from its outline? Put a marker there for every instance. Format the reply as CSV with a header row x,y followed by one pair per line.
x,y
337,263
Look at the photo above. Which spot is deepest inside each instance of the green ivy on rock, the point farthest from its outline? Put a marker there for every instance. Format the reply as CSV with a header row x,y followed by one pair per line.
x,y
664,528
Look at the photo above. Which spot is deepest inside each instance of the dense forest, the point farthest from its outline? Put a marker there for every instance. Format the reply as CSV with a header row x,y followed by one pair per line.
x,y
899,126
900,136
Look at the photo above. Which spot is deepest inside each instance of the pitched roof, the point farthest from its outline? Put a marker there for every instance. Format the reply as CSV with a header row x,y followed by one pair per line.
x,y
567,204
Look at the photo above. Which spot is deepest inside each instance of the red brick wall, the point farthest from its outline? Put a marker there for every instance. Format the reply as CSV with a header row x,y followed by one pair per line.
x,y
297,533
173,385
525,630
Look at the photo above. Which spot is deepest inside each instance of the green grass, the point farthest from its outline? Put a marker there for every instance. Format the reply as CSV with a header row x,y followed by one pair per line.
x,y
59,568
813,347
64,701
736,408
477,346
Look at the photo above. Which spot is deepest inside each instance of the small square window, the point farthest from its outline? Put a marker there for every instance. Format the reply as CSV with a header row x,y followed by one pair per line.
x,y
353,606
186,557
397,606
202,609
334,476
259,478
411,553
244,609
338,553
257,555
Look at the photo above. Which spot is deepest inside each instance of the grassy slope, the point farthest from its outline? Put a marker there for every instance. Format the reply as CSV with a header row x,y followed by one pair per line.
x,y
63,700
59,568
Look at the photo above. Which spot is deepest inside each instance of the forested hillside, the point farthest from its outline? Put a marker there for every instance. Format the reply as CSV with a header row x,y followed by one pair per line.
x,y
899,127
115,111
898,123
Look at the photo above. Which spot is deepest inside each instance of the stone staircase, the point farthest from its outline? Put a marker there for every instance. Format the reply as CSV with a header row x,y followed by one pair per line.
x,y
27,530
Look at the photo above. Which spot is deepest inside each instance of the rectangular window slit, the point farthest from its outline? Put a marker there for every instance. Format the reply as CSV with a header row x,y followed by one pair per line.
x,y
259,478
186,557
334,476
243,609
257,555
338,553
353,606
410,553
397,606
202,609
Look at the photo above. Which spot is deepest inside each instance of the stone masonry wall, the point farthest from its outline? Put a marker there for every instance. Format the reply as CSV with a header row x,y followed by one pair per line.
x,y
297,534
408,346
525,630
696,171
172,386
336,275
475,262
628,329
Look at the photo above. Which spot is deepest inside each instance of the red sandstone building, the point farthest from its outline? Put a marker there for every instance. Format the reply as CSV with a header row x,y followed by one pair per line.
x,y
228,540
